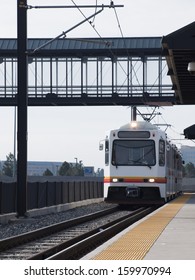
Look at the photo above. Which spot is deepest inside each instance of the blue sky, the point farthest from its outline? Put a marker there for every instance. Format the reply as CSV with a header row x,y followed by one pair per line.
x,y
63,133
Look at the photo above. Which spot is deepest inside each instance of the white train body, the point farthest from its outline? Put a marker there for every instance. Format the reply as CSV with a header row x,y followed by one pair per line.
x,y
141,166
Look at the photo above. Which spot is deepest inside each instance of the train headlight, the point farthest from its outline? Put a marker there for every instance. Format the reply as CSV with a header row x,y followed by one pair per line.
x,y
133,124
151,180
114,180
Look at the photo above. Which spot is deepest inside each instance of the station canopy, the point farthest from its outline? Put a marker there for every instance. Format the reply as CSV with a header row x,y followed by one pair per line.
x,y
179,49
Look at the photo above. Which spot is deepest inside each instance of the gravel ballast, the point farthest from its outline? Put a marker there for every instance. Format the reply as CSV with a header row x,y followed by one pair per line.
x,y
22,225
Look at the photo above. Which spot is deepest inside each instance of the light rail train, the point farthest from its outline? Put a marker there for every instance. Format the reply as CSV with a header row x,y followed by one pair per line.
x,y
142,166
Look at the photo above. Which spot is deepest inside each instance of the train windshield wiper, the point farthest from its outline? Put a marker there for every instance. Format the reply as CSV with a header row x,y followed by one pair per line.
x,y
139,162
148,165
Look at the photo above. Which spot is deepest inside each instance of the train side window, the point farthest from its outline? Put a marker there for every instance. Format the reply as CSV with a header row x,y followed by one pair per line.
x,y
106,152
161,152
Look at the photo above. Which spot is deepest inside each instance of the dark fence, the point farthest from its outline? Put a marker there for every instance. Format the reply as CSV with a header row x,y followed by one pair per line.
x,y
45,194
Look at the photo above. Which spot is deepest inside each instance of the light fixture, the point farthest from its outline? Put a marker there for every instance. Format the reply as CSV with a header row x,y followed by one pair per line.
x,y
114,180
151,180
133,124
191,68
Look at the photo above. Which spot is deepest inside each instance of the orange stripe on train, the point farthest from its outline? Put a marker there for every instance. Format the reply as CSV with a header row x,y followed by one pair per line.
x,y
135,179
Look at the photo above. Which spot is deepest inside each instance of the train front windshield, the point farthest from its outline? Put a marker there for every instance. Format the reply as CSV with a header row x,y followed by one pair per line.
x,y
133,153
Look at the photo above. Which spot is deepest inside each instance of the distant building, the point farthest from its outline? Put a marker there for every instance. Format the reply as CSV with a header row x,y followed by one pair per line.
x,y
37,168
188,154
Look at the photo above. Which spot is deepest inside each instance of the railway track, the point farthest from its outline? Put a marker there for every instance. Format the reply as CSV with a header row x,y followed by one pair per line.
x,y
70,239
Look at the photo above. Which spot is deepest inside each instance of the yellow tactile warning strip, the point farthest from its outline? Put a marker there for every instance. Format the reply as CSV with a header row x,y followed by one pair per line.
x,y
137,242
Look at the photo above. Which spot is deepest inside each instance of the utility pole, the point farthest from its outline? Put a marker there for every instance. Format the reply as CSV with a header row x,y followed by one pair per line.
x,y
22,96
22,104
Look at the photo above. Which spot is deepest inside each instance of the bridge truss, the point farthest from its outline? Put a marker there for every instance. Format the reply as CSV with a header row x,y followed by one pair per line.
x,y
62,75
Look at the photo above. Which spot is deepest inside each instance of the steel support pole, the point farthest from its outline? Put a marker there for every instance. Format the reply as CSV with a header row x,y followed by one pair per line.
x,y
133,113
22,108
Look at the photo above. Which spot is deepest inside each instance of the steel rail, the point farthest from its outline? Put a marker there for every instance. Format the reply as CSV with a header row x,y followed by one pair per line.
x,y
14,241
79,249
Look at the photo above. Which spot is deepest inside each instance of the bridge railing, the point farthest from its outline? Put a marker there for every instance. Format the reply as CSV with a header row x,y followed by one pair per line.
x,y
98,77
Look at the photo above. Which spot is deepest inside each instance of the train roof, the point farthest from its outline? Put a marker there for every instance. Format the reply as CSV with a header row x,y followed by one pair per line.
x,y
140,125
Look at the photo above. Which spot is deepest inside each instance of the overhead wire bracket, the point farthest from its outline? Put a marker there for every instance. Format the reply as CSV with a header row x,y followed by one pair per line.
x,y
63,34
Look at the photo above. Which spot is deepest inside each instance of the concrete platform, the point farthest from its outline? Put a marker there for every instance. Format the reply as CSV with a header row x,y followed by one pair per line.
x,y
166,234
177,241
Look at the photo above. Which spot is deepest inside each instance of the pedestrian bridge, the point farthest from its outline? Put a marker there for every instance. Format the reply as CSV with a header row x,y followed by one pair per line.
x,y
88,71
103,71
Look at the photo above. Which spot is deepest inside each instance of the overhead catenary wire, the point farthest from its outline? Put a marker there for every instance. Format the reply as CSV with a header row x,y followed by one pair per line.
x,y
112,5
132,66
108,44
85,20
179,134
70,6
63,34
93,20
90,22
133,70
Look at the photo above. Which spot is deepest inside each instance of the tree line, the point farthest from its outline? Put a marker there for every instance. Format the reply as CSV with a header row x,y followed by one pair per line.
x,y
9,168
